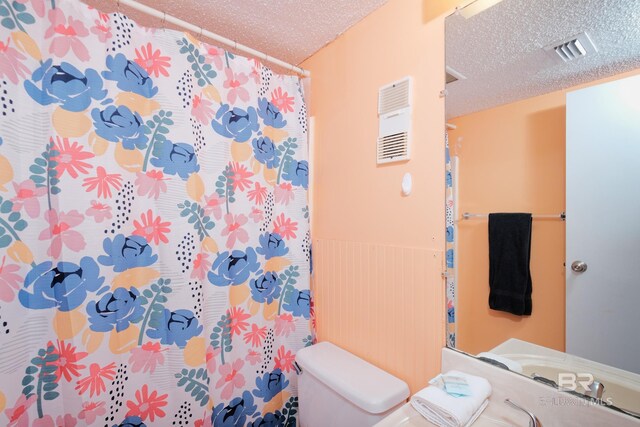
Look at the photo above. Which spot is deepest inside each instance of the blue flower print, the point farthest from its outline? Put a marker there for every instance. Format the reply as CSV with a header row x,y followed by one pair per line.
x,y
64,286
130,76
132,421
270,384
449,234
266,287
272,245
115,309
237,123
174,327
450,258
270,419
65,85
298,303
235,413
176,158
451,315
297,173
124,253
270,114
265,152
120,124
233,268
449,179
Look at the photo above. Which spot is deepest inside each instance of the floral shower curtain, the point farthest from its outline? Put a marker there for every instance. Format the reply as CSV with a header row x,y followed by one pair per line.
x,y
154,237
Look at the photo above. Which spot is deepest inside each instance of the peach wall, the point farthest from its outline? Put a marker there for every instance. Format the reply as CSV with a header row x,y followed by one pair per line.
x,y
378,255
512,159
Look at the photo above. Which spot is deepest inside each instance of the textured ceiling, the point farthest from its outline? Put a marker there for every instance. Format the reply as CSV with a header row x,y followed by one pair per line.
x,y
290,30
500,50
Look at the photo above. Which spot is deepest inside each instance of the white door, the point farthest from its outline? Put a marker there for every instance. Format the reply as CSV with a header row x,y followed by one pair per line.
x,y
603,223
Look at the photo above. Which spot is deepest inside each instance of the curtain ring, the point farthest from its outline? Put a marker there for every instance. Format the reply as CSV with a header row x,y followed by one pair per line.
x,y
200,35
164,21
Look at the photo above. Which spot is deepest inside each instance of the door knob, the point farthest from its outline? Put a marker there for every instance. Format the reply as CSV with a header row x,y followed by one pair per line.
x,y
579,266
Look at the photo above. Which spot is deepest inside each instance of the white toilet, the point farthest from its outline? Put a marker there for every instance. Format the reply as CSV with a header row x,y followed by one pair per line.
x,y
338,389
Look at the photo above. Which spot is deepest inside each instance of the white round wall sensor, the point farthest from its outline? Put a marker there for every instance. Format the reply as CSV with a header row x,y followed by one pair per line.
x,y
406,184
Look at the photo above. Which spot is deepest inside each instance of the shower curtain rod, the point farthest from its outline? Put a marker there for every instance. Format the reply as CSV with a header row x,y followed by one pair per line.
x,y
202,32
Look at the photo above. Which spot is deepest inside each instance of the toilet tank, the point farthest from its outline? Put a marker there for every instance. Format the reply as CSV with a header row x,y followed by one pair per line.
x,y
339,389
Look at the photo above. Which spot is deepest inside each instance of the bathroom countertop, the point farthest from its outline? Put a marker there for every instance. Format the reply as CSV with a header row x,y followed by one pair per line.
x,y
406,416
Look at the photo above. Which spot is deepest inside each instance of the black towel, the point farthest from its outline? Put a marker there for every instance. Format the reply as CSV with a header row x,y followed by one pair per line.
x,y
509,254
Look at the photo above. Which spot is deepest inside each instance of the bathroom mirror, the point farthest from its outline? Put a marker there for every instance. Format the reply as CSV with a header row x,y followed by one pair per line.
x,y
542,108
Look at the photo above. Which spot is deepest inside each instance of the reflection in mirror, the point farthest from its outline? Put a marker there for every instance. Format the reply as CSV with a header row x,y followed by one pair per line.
x,y
543,118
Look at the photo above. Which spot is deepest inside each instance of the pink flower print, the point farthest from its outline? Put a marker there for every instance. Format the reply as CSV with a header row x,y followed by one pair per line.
x,y
151,184
201,266
211,357
10,282
11,66
103,181
19,415
234,83
102,30
201,109
152,229
215,55
284,359
153,61
91,411
258,194
282,100
256,215
61,233
71,158
99,211
27,197
284,325
240,176
285,227
253,357
284,193
147,357
234,229
230,378
237,318
66,35
203,422
255,71
213,205
255,335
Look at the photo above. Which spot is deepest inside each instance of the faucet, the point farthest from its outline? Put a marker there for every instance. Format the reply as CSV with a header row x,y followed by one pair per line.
x,y
533,420
596,389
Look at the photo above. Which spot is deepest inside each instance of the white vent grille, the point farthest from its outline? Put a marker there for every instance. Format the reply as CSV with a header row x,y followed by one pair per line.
x,y
394,96
394,131
393,148
572,48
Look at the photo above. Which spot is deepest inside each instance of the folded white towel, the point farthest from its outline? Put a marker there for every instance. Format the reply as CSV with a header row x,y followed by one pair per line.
x,y
444,410
511,364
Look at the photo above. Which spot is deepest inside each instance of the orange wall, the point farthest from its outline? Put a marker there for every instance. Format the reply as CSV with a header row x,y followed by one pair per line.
x,y
378,255
512,159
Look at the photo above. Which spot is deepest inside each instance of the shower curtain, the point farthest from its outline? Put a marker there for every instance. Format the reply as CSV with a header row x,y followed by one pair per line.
x,y
154,233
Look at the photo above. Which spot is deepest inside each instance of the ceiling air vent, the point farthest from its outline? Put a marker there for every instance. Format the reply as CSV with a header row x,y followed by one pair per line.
x,y
452,75
572,48
394,113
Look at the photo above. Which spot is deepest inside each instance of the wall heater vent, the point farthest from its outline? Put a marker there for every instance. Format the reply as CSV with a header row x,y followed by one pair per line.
x,y
394,129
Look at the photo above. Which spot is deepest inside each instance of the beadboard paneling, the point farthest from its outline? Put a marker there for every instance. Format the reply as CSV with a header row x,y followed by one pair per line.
x,y
382,303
